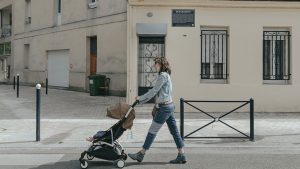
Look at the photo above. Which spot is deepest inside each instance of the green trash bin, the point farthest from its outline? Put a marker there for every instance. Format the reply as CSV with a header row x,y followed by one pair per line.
x,y
95,82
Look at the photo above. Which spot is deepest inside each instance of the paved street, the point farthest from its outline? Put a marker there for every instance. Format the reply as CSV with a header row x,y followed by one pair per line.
x,y
199,158
64,128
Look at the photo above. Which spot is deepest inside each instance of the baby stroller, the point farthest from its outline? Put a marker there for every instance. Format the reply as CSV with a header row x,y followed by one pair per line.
x,y
107,147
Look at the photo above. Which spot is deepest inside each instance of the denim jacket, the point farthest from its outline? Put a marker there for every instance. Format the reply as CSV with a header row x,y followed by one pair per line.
x,y
163,87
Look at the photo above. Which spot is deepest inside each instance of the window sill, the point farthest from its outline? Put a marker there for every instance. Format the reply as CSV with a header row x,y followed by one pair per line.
x,y
214,81
276,82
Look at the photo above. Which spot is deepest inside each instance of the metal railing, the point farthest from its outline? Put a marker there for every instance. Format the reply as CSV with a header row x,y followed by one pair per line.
x,y
250,136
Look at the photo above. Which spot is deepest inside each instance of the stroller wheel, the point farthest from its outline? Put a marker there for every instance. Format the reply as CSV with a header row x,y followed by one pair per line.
x,y
120,163
84,164
89,157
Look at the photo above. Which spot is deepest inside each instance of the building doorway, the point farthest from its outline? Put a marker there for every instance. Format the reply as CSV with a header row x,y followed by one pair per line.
x,y
149,48
93,55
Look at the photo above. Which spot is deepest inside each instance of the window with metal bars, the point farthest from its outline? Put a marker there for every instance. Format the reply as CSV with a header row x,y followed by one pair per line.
x,y
149,49
276,55
214,54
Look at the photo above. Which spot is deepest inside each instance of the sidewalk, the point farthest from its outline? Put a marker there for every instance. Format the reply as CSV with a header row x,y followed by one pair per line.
x,y
58,104
69,117
62,133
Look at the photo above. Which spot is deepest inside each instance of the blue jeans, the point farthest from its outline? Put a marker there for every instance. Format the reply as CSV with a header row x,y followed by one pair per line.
x,y
165,113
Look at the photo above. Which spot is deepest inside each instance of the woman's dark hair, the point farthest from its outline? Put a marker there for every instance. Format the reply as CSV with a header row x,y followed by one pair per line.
x,y
165,66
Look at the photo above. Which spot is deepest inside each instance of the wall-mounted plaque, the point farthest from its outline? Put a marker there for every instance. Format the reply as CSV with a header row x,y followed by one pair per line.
x,y
183,17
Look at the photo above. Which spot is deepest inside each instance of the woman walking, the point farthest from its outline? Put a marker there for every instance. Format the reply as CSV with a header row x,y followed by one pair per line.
x,y
165,112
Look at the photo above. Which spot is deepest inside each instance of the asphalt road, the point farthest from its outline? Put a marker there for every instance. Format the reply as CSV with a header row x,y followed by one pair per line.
x,y
157,158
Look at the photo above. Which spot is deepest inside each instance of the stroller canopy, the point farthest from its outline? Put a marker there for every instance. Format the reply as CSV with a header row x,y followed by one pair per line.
x,y
118,111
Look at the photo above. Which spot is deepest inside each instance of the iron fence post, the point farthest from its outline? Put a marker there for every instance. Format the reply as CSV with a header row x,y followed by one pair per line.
x,y
251,119
182,118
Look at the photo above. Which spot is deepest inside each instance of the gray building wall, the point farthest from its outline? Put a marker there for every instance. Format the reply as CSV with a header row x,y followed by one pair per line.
x,y
78,23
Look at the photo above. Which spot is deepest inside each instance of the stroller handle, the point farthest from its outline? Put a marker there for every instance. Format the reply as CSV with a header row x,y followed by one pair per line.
x,y
132,106
135,103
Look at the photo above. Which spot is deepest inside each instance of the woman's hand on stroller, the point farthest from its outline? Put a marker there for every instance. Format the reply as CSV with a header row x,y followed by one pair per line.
x,y
136,97
137,101
90,139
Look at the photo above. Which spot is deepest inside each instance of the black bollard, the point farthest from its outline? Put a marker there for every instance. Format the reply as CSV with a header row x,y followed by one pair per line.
x,y
38,111
14,82
8,72
46,86
18,87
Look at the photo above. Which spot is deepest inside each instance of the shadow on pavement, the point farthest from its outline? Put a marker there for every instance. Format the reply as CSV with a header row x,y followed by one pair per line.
x,y
145,163
74,164
56,138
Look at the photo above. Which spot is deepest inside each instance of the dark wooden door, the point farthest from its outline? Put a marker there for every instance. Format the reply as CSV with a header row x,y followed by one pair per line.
x,y
93,65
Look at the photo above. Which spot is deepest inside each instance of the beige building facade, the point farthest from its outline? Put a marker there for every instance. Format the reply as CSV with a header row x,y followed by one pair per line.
x,y
228,50
218,49
68,40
